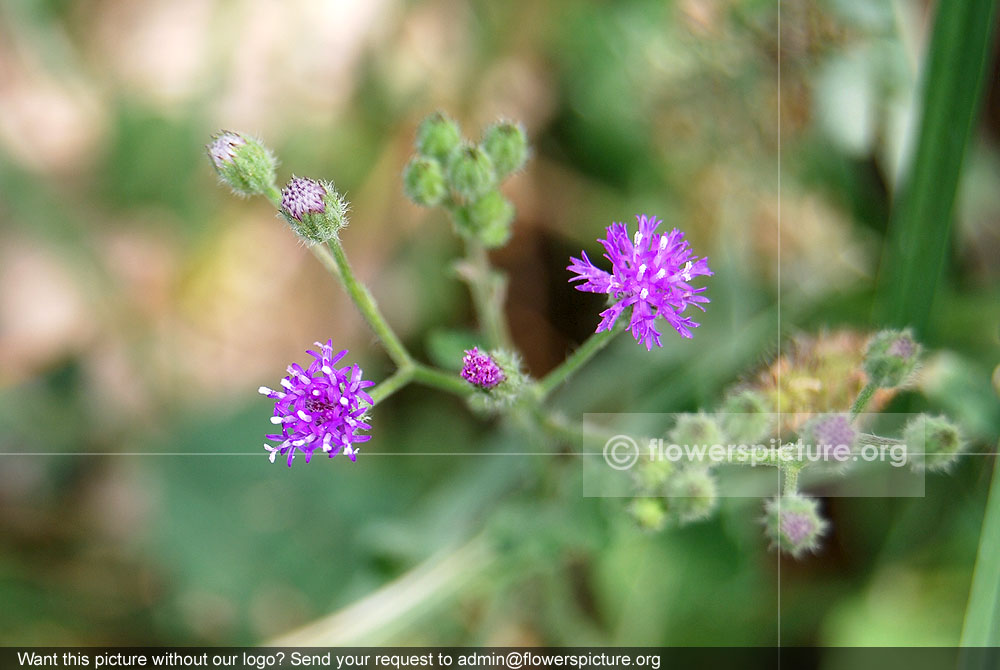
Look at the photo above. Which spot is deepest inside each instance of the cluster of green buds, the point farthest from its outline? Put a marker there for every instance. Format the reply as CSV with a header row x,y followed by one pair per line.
x,y
667,493
464,177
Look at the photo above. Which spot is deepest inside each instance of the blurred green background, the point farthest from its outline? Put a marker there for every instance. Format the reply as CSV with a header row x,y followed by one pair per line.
x,y
141,306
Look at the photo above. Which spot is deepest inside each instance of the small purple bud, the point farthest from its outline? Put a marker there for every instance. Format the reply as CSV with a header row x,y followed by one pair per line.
x,y
479,369
833,435
222,149
303,196
314,210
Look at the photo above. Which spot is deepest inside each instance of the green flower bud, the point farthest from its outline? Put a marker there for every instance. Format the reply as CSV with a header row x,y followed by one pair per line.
x,y
488,219
242,162
891,358
692,495
506,145
793,524
651,475
314,210
933,442
692,429
423,181
746,417
438,136
649,513
470,172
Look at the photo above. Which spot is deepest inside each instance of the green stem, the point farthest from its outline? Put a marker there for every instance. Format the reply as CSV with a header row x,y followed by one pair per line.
x,y
387,387
439,379
584,353
982,614
365,303
488,288
864,397
791,480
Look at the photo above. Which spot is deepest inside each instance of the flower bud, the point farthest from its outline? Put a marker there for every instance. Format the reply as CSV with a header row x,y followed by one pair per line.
x,y
488,219
506,145
651,475
933,442
649,513
891,358
314,210
479,369
692,495
438,136
832,436
423,181
793,524
497,374
746,417
696,429
470,172
242,162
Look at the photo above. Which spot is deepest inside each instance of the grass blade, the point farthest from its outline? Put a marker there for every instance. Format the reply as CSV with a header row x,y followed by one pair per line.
x,y
920,225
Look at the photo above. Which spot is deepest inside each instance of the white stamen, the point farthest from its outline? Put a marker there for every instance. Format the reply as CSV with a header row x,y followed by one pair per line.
x,y
287,384
686,274
302,415
643,294
263,390
638,238
326,442
326,370
642,271
663,242
661,274
343,400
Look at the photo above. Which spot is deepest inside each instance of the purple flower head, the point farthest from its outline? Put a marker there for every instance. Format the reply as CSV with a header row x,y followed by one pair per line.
x,y
222,149
798,527
321,407
480,369
833,435
650,273
302,196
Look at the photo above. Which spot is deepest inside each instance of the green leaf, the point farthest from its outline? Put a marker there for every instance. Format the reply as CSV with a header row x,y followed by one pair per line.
x,y
982,616
920,226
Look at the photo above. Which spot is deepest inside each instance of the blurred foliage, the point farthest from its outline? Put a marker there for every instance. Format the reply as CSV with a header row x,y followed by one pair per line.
x,y
141,306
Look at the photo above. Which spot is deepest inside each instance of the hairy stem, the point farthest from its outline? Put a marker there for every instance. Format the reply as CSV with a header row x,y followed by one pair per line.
x,y
864,397
365,303
489,290
396,381
439,379
791,486
584,353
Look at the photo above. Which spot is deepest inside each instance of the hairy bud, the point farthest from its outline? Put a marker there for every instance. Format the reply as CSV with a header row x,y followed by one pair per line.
x,y
314,210
506,145
438,136
242,162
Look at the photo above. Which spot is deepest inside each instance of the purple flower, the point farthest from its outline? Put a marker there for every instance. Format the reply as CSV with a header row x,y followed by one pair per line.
x,y
320,407
303,196
650,274
480,369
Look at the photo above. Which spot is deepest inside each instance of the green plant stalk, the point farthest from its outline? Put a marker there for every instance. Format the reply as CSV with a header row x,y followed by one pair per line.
x,y
575,361
982,614
390,385
919,230
864,397
376,618
441,380
791,486
488,288
365,303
